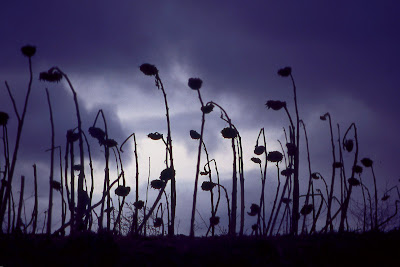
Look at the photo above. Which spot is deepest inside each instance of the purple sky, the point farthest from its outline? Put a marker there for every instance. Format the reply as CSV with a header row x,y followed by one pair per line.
x,y
344,57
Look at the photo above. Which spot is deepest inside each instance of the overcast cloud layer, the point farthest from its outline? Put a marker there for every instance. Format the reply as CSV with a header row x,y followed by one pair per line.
x,y
344,57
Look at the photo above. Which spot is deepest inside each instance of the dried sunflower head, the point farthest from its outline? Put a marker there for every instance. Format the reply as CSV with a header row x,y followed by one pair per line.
x,y
157,184
28,50
3,118
353,181
194,135
367,162
348,145
139,204
256,160
207,108
148,69
167,174
254,210
229,133
275,104
122,191
207,185
52,75
214,220
195,83
285,72
155,136
307,209
274,156
158,222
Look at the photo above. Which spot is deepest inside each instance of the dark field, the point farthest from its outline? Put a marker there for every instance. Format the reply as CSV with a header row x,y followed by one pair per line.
x,y
369,249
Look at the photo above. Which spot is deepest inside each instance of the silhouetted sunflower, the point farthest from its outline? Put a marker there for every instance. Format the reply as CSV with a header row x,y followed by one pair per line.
x,y
307,209
385,197
291,149
155,136
28,50
194,135
286,200
357,169
275,104
285,72
110,143
254,210
315,176
71,136
148,69
158,222
52,75
122,191
229,133
337,165
367,162
353,181
258,150
275,156
139,204
195,83
207,108
214,220
207,185
348,145
287,172
56,185
157,184
3,118
256,160
97,133
167,174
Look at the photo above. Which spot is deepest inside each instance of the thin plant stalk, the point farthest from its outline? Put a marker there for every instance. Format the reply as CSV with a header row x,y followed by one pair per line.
x,y
35,207
21,201
276,198
50,209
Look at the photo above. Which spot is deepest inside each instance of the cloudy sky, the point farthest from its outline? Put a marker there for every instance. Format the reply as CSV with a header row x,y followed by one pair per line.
x,y
344,56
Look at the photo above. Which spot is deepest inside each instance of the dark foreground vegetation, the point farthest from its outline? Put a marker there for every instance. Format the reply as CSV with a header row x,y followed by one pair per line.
x,y
348,249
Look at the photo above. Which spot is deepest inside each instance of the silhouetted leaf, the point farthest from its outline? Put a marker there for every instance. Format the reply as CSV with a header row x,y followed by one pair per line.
x,y
256,160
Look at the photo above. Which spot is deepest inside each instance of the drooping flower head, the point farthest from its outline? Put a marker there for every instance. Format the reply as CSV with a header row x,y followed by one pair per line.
x,y
71,136
3,118
122,191
148,69
194,135
275,156
285,72
287,172
229,133
157,184
155,136
353,181
52,75
254,210
167,174
256,160
158,222
367,162
275,104
315,175
28,50
348,145
385,197
214,220
195,83
207,108
56,185
139,204
110,143
307,209
258,150
207,185
357,169
291,149
97,133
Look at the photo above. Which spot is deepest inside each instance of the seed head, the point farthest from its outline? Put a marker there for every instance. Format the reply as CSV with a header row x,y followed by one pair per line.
x,y
285,72
229,133
71,136
287,172
275,104
258,150
148,69
158,222
97,133
122,191
357,169
157,184
28,50
155,136
348,145
167,174
139,204
275,156
207,185
3,118
195,83
207,108
353,181
52,75
256,160
315,176
254,210
194,135
56,185
110,143
367,162
214,220
307,209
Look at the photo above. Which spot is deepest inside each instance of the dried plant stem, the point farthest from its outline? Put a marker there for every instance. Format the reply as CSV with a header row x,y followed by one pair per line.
x,y
276,198
21,201
50,209
35,207
376,199
196,179
21,120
